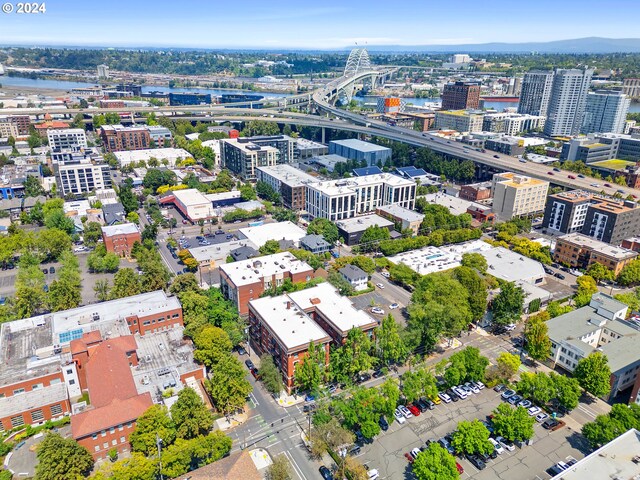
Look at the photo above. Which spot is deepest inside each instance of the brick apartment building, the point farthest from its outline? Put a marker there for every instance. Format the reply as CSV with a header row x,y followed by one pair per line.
x,y
119,239
23,122
117,137
284,326
476,192
42,374
244,281
461,96
581,251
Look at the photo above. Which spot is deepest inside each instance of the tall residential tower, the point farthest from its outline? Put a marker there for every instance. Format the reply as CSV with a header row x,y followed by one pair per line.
x,y
567,101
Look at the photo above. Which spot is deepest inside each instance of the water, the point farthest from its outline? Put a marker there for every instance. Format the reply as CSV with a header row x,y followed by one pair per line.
x,y
68,85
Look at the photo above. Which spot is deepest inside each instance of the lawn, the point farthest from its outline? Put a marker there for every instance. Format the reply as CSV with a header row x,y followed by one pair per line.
x,y
613,164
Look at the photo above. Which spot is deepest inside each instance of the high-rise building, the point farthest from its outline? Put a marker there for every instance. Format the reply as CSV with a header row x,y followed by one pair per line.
x,y
631,87
78,177
605,112
67,139
517,195
461,96
103,71
567,102
535,93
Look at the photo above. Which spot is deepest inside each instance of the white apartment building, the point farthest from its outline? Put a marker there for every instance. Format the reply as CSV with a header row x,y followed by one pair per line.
x,y
605,112
8,129
517,195
459,120
347,198
103,71
81,177
512,123
567,102
67,139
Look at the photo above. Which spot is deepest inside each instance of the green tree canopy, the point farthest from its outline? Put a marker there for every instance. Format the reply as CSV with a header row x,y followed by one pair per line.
x,y
324,227
536,335
471,438
475,261
190,415
507,305
153,423
270,375
62,458
310,372
513,423
593,374
228,386
435,463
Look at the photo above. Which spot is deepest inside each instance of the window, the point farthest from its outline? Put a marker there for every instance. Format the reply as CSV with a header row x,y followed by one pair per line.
x,y
120,427
56,410
36,386
114,442
18,391
105,445
112,430
103,433
37,416
122,440
96,448
17,421
94,436
69,371
72,382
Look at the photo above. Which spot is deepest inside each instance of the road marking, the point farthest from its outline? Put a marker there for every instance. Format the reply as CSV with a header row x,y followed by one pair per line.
x,y
295,466
252,397
587,411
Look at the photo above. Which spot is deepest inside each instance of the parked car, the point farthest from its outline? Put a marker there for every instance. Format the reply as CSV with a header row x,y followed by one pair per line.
x,y
476,462
511,327
393,306
460,393
541,417
364,377
496,445
377,374
256,373
506,443
444,443
399,416
444,397
380,286
405,411
499,388
524,403
415,452
414,410
454,396
326,473
249,364
377,310
559,276
430,404
553,424
460,469
479,384
421,405
514,400
384,425
533,411
508,393
52,269
373,474
472,387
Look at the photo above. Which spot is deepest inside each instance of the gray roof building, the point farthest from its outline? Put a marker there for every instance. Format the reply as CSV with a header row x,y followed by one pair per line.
x,y
352,272
315,243
113,213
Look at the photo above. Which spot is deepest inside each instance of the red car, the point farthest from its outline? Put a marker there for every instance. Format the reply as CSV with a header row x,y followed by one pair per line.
x,y
549,173
460,469
413,409
607,185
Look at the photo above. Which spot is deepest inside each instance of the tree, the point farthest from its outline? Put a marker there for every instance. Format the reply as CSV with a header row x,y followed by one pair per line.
x,y
190,415
372,236
58,220
632,299
537,338
507,365
280,469
567,391
390,345
125,284
153,423
476,288
247,192
605,428
212,343
32,187
539,387
513,423
353,357
435,463
101,289
418,383
127,197
328,436
155,178
475,261
133,217
30,296
507,305
587,286
270,247
267,192
593,374
52,243
471,438
310,372
630,274
270,375
285,215
65,292
599,272
324,227
92,233
228,386
62,458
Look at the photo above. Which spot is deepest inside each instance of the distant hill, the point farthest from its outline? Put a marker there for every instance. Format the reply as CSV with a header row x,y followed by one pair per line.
x,y
576,45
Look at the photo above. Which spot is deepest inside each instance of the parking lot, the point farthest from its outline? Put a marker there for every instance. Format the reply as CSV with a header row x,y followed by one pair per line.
x,y
387,451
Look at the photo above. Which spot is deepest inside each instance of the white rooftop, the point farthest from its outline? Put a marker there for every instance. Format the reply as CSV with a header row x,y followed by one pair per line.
x,y
288,175
253,270
511,266
427,260
598,246
169,153
121,229
360,145
191,197
273,231
334,308
218,252
357,224
342,186
399,211
289,323
455,205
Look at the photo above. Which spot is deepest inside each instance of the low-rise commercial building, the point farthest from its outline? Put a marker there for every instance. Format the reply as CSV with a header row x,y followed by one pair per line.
x,y
599,326
459,120
279,231
243,158
244,281
354,149
475,192
119,239
171,155
351,229
343,199
580,251
160,135
117,137
632,243
407,219
307,149
507,145
289,182
195,205
517,195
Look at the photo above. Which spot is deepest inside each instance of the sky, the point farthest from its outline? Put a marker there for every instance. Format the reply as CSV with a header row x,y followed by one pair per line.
x,y
326,24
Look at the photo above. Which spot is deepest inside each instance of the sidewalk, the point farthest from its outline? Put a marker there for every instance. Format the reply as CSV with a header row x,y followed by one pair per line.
x,y
285,400
223,424
261,458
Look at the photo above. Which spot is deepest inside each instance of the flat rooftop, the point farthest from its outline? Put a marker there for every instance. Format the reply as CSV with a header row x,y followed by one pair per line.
x,y
336,309
574,196
288,174
357,224
618,459
360,145
401,212
191,197
516,180
455,205
427,260
121,229
612,251
289,323
273,231
253,270
146,155
27,345
511,266
346,185
218,252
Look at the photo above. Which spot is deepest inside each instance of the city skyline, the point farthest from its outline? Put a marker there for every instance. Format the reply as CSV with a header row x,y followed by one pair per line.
x,y
333,25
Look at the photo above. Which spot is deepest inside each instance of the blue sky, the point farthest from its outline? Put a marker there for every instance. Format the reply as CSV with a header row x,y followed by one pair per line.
x,y
324,24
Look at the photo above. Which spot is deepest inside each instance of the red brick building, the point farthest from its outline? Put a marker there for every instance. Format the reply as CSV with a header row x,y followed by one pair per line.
x,y
119,239
461,96
481,213
476,191
104,368
632,243
117,138
111,104
23,122
244,281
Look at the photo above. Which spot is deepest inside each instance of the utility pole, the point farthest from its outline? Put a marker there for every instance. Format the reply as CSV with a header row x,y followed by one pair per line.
x,y
159,445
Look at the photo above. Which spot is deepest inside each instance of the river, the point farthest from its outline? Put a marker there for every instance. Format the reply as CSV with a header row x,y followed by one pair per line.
x,y
68,85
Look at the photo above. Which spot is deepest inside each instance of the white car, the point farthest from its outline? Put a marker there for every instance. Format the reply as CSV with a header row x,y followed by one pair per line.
x,y
460,392
415,452
399,416
497,446
380,286
444,397
393,306
534,410
373,474
377,311
541,417
479,384
405,411
508,394
385,274
506,444
511,327
472,387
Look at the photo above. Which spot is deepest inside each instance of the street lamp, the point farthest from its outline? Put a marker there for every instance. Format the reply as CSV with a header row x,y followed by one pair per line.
x,y
159,445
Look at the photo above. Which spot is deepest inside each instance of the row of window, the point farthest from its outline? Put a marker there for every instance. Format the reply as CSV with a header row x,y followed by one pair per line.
x,y
36,417
112,430
105,445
